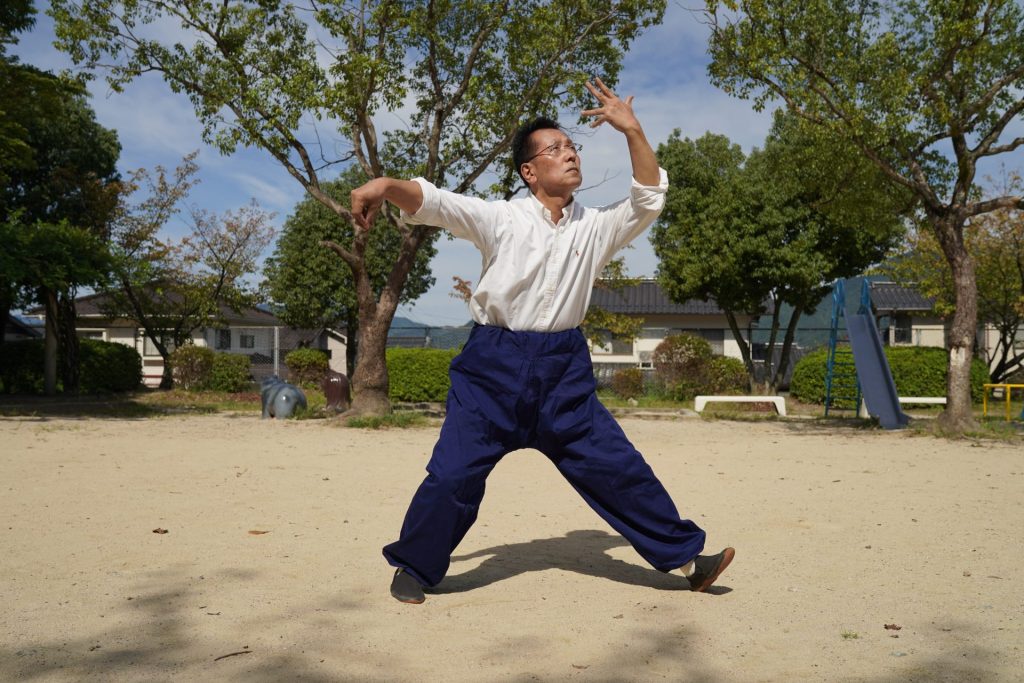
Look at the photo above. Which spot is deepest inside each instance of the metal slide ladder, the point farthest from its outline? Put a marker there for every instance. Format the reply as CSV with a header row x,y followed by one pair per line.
x,y
844,385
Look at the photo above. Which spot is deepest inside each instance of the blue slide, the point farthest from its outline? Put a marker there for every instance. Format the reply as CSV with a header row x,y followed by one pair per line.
x,y
876,383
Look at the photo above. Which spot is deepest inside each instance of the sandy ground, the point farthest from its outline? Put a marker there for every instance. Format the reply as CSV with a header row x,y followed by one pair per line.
x,y
838,531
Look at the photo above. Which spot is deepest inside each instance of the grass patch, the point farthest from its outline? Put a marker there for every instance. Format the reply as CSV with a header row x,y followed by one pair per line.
x,y
850,635
401,420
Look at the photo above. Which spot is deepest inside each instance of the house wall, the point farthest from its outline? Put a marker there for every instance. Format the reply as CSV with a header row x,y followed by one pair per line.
x,y
657,327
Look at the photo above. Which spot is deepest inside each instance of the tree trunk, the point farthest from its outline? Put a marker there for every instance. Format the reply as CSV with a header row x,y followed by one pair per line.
x,y
370,378
167,378
70,356
958,416
50,344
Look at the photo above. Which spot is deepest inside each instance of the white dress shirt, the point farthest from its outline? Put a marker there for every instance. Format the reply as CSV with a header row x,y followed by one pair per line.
x,y
537,275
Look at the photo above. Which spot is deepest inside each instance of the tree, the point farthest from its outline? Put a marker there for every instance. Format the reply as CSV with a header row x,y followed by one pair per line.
x,y
925,91
775,227
57,176
46,262
304,281
468,70
171,288
995,242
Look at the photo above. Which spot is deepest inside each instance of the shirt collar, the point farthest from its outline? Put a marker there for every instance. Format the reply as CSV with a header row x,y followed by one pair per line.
x,y
546,214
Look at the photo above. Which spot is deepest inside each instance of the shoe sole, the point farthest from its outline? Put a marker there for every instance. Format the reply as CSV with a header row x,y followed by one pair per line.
x,y
727,556
410,601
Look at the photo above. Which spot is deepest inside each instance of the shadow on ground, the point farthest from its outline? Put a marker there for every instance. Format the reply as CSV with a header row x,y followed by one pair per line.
x,y
583,552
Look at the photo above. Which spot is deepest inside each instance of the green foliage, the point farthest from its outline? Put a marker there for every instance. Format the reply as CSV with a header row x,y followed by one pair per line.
x,y
105,367
772,226
310,286
173,287
307,366
925,90
681,365
726,375
628,383
191,366
419,374
229,372
916,371
109,367
21,366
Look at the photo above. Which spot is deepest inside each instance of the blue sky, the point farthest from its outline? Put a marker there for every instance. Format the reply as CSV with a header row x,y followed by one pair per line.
x,y
665,71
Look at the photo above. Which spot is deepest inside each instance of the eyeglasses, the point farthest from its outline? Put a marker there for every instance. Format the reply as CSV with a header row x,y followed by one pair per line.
x,y
556,149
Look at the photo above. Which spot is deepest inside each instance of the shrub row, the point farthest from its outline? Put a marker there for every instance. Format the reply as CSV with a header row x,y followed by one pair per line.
x,y
417,375
197,368
104,367
916,371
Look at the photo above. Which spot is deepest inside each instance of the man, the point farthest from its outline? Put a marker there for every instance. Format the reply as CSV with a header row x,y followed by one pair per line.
x,y
524,378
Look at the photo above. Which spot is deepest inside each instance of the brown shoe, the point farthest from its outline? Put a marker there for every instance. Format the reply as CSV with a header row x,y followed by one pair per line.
x,y
707,568
405,588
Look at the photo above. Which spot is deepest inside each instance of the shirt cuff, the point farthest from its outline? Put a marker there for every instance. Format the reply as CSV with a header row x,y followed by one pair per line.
x,y
660,188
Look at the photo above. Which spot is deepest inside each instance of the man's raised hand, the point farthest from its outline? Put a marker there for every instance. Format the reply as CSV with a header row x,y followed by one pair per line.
x,y
618,113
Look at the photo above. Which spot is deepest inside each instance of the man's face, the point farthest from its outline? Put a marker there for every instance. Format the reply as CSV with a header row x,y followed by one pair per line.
x,y
555,164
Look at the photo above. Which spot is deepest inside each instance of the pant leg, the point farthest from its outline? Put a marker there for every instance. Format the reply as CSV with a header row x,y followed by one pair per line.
x,y
591,451
480,427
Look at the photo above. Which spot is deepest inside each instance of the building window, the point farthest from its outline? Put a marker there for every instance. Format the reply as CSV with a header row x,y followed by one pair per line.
x,y
149,348
90,334
902,329
605,345
247,341
223,341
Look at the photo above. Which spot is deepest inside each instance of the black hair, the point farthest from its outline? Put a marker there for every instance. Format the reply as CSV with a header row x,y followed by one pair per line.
x,y
520,151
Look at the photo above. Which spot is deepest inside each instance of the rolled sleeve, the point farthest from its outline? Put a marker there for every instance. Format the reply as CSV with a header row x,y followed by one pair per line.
x,y
650,197
431,199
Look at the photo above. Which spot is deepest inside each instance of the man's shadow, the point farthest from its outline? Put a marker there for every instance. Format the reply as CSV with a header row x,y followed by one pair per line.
x,y
583,552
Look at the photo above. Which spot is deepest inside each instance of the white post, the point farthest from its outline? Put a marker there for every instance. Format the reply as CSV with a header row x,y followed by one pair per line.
x,y
276,351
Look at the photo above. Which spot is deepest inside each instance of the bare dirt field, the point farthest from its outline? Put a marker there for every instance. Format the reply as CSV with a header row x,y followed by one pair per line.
x,y
861,556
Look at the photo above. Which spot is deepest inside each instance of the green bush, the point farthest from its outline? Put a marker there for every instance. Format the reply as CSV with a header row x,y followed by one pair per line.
x,y
104,367
628,383
191,367
416,375
681,363
21,366
229,372
307,366
726,376
108,367
916,371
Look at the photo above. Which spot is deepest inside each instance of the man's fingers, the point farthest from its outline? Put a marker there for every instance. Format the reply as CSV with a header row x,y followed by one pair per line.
x,y
629,100
604,88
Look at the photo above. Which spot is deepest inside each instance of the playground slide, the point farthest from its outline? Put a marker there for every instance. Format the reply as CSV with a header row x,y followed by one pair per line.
x,y
876,385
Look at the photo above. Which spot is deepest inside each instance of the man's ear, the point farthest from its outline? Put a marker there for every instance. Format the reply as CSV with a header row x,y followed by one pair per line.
x,y
526,170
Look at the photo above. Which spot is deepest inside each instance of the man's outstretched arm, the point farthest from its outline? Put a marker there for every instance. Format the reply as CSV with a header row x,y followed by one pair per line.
x,y
619,115
367,199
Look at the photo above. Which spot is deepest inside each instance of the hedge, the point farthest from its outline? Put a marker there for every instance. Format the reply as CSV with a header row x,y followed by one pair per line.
x,y
229,372
916,371
191,366
104,367
417,375
307,366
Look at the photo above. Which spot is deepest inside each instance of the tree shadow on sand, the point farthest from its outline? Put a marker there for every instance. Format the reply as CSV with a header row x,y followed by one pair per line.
x,y
581,551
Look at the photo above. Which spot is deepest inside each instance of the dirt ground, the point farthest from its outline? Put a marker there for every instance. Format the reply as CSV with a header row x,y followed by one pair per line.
x,y
861,556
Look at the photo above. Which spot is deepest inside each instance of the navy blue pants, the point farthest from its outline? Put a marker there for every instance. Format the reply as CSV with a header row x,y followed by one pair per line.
x,y
513,390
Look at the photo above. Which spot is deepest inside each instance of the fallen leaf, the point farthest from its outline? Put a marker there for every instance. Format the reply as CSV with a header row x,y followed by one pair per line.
x,y
581,666
257,532
893,627
158,530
